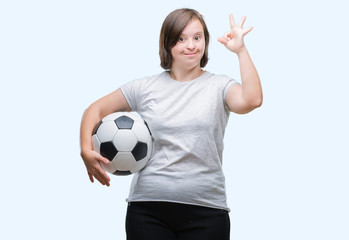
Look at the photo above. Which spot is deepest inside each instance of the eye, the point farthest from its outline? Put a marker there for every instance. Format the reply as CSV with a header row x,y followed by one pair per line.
x,y
181,39
197,37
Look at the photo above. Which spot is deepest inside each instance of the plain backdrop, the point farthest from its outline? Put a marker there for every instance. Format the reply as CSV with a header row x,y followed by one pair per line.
x,y
286,163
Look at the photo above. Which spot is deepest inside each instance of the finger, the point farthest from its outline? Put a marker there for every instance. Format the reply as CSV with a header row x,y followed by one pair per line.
x,y
102,178
247,31
241,24
227,35
232,22
103,175
222,40
99,173
90,176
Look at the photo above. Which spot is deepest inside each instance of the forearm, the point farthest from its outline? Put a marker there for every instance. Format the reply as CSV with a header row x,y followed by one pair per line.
x,y
90,119
113,102
91,158
250,82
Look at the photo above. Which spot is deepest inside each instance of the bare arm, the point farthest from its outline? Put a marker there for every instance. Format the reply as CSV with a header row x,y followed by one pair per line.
x,y
247,96
113,102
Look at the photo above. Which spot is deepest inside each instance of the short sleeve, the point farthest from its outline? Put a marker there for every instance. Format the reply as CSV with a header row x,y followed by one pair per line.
x,y
131,91
230,83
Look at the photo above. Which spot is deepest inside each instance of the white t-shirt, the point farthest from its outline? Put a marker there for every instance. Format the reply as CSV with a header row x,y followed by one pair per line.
x,y
187,121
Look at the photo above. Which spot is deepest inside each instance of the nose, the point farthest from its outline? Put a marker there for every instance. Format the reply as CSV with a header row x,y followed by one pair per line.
x,y
191,44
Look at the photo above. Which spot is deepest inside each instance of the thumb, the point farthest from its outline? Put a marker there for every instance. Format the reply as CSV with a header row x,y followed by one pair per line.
x,y
103,160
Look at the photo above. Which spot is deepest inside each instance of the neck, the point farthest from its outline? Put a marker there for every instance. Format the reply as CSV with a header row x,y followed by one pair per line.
x,y
185,74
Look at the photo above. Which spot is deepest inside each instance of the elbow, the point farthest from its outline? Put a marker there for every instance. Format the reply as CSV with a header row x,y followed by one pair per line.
x,y
93,110
253,101
249,106
257,102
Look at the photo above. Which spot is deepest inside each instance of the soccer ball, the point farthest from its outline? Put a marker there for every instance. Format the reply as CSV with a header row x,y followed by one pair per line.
x,y
125,139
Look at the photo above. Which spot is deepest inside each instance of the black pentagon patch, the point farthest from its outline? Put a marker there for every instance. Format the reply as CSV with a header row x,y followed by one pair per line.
x,y
122,173
124,122
108,150
140,151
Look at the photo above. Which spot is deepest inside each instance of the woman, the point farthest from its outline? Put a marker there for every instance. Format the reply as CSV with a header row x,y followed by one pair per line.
x,y
180,194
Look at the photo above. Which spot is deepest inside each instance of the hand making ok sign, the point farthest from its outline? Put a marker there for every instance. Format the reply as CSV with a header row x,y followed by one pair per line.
x,y
234,40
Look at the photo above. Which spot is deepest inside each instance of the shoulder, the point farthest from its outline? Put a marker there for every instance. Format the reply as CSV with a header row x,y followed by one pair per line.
x,y
221,79
144,81
152,77
217,77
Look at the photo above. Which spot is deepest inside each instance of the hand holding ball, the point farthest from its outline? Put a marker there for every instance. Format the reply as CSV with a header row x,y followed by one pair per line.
x,y
125,139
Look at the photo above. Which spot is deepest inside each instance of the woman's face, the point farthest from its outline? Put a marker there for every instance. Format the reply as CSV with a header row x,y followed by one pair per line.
x,y
190,46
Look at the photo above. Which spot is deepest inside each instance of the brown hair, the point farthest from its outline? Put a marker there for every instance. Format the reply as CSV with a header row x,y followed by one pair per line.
x,y
172,28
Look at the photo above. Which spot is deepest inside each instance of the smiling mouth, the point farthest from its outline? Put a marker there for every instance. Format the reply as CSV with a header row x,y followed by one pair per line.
x,y
190,54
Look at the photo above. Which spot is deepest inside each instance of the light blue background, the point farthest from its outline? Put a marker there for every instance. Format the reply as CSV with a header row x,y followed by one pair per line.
x,y
286,164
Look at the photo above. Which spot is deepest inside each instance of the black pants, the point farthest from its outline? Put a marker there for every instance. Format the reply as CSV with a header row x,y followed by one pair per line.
x,y
174,221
